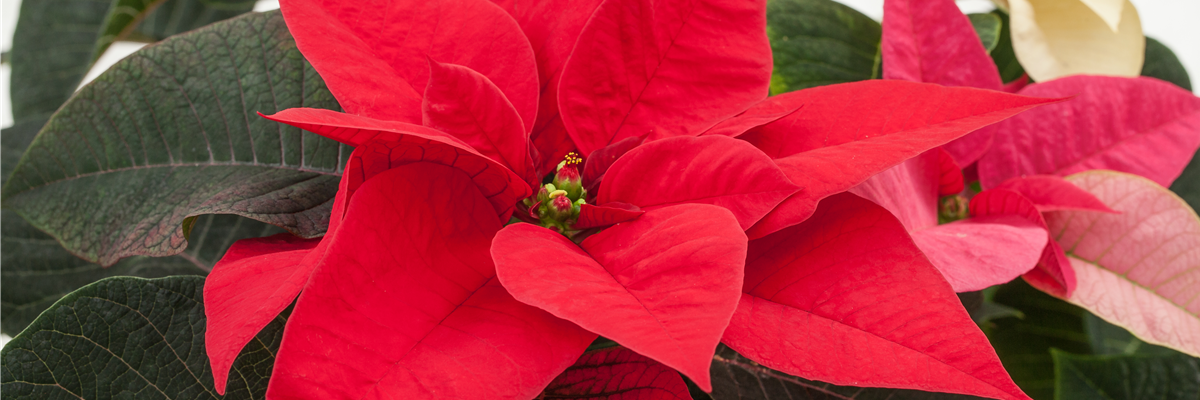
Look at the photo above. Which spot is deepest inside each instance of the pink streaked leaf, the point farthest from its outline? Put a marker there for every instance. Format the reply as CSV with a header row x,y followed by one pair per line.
x,y
407,295
372,55
387,144
1142,126
253,282
1139,269
844,284
617,374
710,170
932,41
666,68
1053,193
663,285
468,106
850,132
608,214
975,253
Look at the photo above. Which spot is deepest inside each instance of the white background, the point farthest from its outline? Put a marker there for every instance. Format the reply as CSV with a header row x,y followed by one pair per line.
x,y
1176,23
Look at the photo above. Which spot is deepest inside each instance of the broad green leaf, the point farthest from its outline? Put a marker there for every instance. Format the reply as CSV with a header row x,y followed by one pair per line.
x,y
171,132
820,42
37,271
1162,63
56,41
130,338
737,377
988,27
1127,377
1187,185
1003,54
1024,344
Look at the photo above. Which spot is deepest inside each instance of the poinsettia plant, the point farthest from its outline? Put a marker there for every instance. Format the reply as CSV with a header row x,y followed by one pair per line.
x,y
594,199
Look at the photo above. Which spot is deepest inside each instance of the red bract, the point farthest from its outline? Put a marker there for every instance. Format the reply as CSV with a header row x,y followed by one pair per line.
x,y
417,291
617,374
1136,125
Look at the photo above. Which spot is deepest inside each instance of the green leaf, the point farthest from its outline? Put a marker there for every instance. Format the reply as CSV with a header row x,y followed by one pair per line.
x,y
988,27
1024,344
820,42
1109,339
1187,185
37,271
171,132
1003,55
737,377
56,41
1162,63
130,338
1127,377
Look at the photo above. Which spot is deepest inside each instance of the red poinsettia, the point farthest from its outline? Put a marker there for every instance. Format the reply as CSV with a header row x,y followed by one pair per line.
x,y
458,107
1136,125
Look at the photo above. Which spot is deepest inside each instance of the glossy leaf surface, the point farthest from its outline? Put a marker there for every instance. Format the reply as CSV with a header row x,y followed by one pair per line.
x,y
1137,125
192,120
1136,269
1162,63
617,373
663,285
713,170
128,336
812,284
1129,377
820,42
406,296
668,68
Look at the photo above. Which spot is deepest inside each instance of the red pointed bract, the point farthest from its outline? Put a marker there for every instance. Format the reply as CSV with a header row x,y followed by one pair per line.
x,y
765,112
387,144
850,132
609,214
468,106
663,285
1053,193
1142,126
950,180
711,170
599,161
667,67
883,317
253,282
617,374
407,296
552,28
372,55
932,41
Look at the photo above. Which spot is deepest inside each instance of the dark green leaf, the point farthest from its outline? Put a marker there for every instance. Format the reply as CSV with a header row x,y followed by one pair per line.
x,y
56,41
1127,377
130,338
14,140
737,377
1024,344
1162,63
37,271
988,27
171,132
1109,339
820,42
1003,55
1187,185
